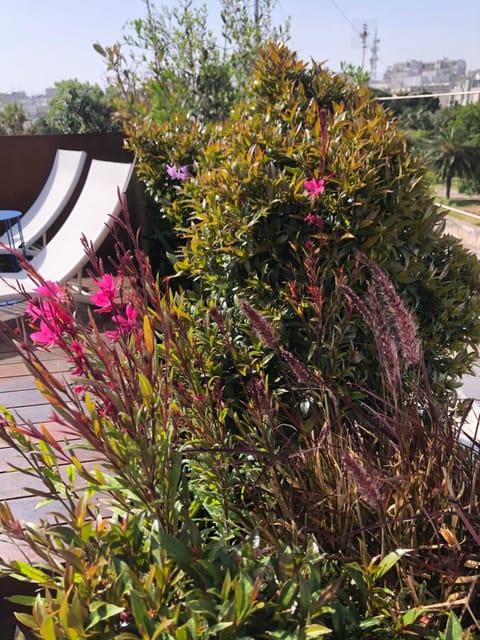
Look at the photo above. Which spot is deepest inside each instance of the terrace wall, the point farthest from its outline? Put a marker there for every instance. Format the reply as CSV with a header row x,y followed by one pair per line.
x,y
25,162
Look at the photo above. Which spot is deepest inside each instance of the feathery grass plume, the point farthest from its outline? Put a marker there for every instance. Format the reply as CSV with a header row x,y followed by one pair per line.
x,y
260,325
271,339
364,481
301,373
403,323
384,339
374,316
262,400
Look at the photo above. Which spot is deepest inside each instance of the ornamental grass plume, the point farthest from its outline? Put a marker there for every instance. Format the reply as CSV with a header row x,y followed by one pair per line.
x,y
374,316
402,323
364,481
269,337
262,327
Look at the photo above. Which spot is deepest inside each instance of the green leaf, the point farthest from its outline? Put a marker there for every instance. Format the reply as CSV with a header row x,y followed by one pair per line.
x,y
145,387
287,594
101,611
47,628
26,601
453,629
32,573
99,49
409,617
26,619
389,561
139,609
316,630
177,551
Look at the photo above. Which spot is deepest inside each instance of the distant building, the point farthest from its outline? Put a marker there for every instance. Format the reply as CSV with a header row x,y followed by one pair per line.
x,y
470,84
415,76
33,106
441,76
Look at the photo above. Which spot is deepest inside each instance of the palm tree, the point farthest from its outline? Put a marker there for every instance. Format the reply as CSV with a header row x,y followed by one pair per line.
x,y
451,158
12,119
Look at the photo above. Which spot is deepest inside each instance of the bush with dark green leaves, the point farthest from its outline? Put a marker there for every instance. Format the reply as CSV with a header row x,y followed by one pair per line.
x,y
176,511
246,216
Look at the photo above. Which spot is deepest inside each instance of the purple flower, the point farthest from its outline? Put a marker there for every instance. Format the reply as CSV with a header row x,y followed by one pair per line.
x,y
177,173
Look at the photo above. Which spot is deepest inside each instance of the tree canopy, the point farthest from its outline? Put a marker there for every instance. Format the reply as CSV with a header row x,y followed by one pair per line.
x,y
451,157
12,119
170,60
79,107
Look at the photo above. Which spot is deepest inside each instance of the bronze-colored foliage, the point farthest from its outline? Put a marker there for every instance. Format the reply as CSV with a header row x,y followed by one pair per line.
x,y
245,218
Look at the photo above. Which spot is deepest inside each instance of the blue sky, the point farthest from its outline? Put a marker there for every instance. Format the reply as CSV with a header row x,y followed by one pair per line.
x,y
45,41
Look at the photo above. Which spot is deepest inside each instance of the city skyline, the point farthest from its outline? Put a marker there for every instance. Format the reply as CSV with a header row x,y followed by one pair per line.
x,y
44,43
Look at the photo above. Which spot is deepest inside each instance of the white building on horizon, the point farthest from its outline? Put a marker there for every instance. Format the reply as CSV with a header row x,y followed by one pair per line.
x,y
443,76
33,106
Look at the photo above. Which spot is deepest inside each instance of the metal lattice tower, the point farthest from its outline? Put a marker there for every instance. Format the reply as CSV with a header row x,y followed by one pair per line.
x,y
363,38
374,57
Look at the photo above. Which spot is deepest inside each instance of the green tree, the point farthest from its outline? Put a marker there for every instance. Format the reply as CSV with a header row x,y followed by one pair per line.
x,y
353,73
467,122
12,119
80,107
451,157
171,61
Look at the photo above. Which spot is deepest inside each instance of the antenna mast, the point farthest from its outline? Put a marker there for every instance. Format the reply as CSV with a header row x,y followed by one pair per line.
x,y
363,38
374,58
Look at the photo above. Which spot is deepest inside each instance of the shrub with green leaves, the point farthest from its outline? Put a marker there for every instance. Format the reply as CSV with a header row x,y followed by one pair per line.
x,y
198,513
245,216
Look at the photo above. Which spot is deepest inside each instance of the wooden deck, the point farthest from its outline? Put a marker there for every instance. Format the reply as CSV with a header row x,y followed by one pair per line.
x,y
19,394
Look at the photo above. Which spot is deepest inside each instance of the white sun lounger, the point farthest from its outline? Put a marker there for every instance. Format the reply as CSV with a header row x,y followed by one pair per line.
x,y
50,202
63,257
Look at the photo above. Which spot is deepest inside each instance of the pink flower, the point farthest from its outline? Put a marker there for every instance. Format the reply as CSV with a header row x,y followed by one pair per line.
x,y
128,322
48,309
79,352
105,296
51,314
52,290
124,323
315,187
314,220
47,336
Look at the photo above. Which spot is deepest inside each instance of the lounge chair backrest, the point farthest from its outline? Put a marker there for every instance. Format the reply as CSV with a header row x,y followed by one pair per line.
x,y
64,255
63,178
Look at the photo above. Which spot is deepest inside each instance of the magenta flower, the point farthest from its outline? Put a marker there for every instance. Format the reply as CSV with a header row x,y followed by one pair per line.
x,y
47,336
41,309
51,314
314,187
105,296
124,323
52,290
314,220
79,352
177,173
